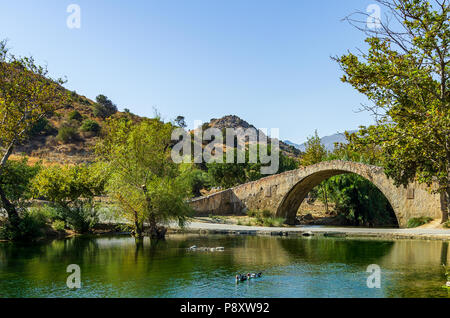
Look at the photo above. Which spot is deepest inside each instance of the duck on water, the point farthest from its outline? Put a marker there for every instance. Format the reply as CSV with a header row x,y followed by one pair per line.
x,y
242,278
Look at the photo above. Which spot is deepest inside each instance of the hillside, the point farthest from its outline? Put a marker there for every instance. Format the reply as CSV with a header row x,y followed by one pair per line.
x,y
233,121
45,143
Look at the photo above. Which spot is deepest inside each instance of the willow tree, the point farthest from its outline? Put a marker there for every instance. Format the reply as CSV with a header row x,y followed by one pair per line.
x,y
27,94
405,75
145,183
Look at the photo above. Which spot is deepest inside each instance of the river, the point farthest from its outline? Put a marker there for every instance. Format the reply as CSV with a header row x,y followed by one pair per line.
x,y
292,267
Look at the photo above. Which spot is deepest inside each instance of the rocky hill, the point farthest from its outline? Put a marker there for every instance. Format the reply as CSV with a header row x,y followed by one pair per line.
x,y
47,144
233,121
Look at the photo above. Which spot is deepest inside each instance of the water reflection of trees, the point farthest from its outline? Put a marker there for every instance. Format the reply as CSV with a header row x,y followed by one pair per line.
x,y
321,250
418,268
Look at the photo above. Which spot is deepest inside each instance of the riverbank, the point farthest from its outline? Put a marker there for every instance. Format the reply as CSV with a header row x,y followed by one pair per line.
x,y
306,230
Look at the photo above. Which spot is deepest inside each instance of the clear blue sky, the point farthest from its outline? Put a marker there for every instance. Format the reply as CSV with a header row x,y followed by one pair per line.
x,y
265,61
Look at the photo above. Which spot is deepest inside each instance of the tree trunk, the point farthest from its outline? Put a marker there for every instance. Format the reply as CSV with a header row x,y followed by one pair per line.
x,y
137,227
445,204
156,232
13,216
6,155
325,198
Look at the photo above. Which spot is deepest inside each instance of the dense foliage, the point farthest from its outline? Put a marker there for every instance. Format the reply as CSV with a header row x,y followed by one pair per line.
x,y
22,81
15,180
145,183
227,175
405,75
356,200
72,189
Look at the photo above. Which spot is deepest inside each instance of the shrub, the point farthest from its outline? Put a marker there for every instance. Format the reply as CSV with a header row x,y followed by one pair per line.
x,y
90,126
447,224
59,225
42,126
104,107
415,222
46,212
259,214
31,226
199,180
271,221
67,133
75,115
81,218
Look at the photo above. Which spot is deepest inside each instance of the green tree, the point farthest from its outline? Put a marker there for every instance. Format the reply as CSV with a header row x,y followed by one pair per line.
x,y
27,94
65,185
228,175
104,107
316,152
405,75
145,183
15,180
72,189
180,122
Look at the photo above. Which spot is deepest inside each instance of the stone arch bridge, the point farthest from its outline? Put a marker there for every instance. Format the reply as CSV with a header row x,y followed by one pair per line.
x,y
282,194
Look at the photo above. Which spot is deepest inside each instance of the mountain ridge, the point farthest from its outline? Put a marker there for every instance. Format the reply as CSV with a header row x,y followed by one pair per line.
x,y
327,141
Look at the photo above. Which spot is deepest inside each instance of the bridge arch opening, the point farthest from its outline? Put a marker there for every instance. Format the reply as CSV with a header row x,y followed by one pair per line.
x,y
292,201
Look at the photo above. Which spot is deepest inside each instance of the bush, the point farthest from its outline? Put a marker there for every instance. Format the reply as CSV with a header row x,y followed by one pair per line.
x,y
75,115
259,214
199,180
446,225
90,126
270,221
81,218
67,133
31,227
104,107
59,225
46,212
415,222
42,126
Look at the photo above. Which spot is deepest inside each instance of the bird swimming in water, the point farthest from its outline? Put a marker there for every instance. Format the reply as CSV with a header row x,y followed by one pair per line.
x,y
254,275
240,278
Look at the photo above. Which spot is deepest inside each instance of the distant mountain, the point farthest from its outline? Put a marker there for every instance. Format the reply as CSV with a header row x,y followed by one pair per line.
x,y
327,141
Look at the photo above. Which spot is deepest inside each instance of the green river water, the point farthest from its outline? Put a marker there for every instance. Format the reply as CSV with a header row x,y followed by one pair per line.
x,y
292,267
